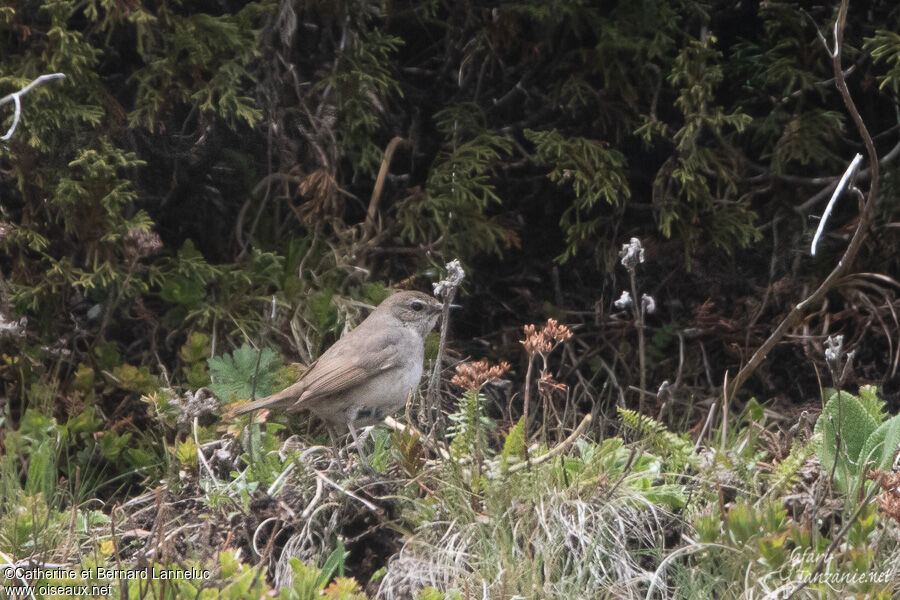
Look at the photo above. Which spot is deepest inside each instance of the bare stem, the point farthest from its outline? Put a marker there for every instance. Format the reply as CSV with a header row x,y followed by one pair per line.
x,y
865,218
434,416
372,211
527,401
638,307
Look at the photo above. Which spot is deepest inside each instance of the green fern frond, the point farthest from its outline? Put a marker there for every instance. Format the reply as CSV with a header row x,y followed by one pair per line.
x,y
596,174
785,474
514,445
675,449
885,47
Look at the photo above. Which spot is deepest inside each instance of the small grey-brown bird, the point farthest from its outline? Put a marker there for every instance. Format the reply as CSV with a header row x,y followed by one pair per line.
x,y
367,374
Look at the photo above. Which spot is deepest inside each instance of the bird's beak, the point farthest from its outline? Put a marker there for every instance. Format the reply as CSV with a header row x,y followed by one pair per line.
x,y
439,308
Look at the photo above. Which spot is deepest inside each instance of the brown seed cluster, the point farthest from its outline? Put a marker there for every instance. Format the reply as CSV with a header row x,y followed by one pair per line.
x,y
889,498
547,384
320,189
545,340
473,375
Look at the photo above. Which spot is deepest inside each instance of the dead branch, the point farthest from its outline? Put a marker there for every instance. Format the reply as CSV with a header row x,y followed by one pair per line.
x,y
865,218
17,98
379,184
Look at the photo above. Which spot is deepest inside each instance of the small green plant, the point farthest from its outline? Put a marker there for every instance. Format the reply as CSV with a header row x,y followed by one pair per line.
x,y
244,373
514,444
233,580
194,354
311,583
756,549
675,449
786,473
469,426
855,435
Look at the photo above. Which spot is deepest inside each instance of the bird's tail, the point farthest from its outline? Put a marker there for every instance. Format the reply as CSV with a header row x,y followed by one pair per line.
x,y
281,399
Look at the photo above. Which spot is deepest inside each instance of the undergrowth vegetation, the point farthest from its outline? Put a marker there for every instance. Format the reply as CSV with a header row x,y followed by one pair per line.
x,y
493,512
215,192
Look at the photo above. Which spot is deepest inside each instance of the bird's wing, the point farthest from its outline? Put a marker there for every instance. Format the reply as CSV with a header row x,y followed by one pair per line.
x,y
350,363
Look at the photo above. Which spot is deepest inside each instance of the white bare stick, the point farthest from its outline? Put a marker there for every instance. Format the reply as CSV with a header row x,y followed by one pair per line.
x,y
340,488
16,97
201,457
845,178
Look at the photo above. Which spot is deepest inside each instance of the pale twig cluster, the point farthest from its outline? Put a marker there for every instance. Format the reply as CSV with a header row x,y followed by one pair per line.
x,y
631,255
140,243
839,363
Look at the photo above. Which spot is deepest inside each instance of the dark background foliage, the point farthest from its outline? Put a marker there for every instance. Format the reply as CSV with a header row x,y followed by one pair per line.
x,y
534,139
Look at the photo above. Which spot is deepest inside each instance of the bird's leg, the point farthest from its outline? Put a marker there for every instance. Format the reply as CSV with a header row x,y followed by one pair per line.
x,y
359,446
334,444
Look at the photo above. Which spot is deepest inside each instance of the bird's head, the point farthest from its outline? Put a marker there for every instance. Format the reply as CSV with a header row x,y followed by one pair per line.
x,y
413,309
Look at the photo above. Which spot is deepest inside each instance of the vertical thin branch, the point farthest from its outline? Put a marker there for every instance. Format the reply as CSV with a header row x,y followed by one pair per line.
x,y
444,290
638,308
433,401
527,401
724,413
372,212
867,210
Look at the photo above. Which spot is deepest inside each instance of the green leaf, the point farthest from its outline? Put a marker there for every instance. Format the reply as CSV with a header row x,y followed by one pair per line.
x,y
42,475
874,405
844,414
882,445
675,449
112,445
375,292
334,565
84,379
108,356
183,291
138,379
755,411
234,374
194,353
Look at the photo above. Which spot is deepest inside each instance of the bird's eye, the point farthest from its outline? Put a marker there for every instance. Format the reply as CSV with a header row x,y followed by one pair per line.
x,y
417,306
